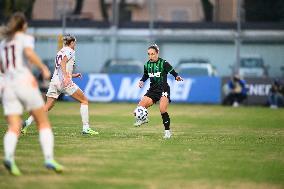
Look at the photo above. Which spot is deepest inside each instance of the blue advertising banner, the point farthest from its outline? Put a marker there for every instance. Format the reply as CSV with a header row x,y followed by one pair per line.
x,y
124,88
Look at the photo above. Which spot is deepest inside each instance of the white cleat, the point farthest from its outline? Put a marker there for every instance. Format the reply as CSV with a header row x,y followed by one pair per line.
x,y
273,106
235,104
167,134
139,122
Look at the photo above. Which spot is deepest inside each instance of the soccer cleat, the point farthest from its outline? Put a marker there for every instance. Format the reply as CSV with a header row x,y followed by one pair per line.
x,y
273,106
89,131
235,104
12,168
139,122
167,134
53,165
24,129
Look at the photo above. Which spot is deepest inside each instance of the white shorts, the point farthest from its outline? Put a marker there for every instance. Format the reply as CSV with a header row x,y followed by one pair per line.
x,y
17,98
56,88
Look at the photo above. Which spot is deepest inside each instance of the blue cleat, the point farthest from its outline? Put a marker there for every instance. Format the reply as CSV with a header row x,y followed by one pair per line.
x,y
12,168
53,165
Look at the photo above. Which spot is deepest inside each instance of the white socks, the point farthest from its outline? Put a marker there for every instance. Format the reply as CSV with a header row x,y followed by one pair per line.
x,y
29,121
45,138
10,143
85,116
47,142
84,110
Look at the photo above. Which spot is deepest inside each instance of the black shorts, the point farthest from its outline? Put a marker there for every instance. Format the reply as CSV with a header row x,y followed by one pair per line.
x,y
156,93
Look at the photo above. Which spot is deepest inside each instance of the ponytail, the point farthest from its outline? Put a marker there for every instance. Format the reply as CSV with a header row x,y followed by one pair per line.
x,y
15,23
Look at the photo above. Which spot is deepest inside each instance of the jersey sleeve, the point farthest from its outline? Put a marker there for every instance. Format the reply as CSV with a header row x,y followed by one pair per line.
x,y
145,75
68,53
28,41
170,69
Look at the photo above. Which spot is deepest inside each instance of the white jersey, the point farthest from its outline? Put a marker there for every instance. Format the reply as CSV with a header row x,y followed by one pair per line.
x,y
14,63
1,84
70,54
20,89
56,86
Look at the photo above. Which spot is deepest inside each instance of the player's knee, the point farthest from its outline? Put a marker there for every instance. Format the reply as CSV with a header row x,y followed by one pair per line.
x,y
141,104
48,107
14,129
163,109
144,104
43,125
85,101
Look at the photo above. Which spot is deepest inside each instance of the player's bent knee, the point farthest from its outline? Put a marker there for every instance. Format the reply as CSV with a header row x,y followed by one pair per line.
x,y
163,109
46,109
145,102
85,102
14,129
43,126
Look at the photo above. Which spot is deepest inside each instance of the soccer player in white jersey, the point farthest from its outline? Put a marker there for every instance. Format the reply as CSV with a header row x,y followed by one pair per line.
x,y
61,82
1,84
21,92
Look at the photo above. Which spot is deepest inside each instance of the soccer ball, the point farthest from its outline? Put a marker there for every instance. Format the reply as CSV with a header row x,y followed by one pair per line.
x,y
141,113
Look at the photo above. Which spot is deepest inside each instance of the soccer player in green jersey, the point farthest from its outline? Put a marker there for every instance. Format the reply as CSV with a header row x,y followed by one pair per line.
x,y
157,69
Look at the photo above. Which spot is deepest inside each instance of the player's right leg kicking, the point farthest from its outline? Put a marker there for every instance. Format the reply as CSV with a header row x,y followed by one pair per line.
x,y
144,102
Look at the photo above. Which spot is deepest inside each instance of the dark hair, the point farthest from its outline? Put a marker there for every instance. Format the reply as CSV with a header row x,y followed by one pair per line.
x,y
15,23
68,38
155,47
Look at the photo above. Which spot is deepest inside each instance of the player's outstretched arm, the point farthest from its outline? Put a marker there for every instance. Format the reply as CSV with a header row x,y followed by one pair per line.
x,y
75,75
34,59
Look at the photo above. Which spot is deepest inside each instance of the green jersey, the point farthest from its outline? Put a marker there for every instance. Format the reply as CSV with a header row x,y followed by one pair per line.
x,y
157,72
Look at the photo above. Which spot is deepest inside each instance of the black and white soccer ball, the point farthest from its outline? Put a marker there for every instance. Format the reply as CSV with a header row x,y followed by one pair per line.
x,y
141,113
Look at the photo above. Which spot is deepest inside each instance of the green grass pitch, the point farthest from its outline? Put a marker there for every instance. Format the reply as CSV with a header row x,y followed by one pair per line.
x,y
212,147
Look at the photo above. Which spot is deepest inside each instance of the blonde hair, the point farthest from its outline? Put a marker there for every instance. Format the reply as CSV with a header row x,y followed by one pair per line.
x,y
15,23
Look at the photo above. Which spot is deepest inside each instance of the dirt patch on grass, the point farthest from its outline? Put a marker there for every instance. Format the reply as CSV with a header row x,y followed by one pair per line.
x,y
207,185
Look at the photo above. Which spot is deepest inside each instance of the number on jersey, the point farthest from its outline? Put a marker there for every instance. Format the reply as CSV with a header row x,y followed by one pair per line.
x,y
58,60
9,57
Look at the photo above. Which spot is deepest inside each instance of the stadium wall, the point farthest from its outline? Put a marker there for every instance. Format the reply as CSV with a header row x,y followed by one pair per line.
x,y
193,90
123,88
95,47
